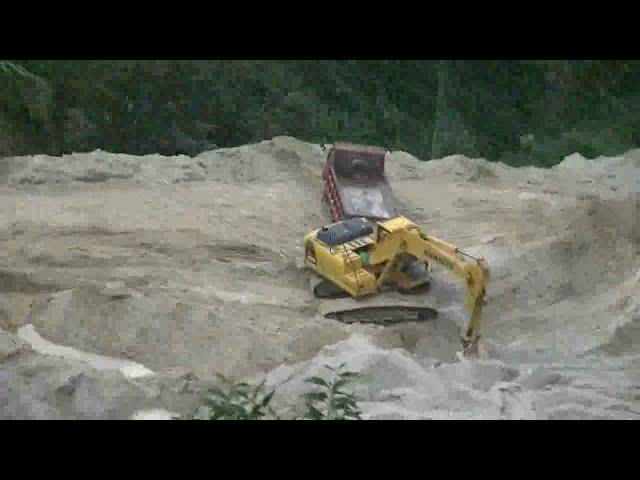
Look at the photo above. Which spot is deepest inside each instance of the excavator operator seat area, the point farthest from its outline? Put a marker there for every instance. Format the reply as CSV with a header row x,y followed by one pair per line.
x,y
345,231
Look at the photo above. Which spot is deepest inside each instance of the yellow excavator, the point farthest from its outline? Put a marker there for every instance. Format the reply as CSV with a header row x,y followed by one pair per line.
x,y
359,257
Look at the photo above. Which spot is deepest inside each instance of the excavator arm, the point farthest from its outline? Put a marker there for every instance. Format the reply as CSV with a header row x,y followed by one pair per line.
x,y
471,269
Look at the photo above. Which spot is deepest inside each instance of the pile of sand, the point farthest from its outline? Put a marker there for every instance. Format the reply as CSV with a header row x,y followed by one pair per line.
x,y
193,265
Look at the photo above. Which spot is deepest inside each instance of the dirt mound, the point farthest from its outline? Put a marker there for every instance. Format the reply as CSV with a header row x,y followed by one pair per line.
x,y
275,161
398,385
626,338
605,242
53,385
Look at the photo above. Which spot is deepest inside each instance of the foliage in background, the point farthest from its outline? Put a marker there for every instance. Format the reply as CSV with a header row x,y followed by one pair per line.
x,y
479,108
330,401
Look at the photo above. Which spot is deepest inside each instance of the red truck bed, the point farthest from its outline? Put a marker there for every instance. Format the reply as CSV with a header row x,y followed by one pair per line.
x,y
362,191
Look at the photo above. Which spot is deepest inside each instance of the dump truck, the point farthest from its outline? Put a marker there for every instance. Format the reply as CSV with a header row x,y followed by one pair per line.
x,y
355,184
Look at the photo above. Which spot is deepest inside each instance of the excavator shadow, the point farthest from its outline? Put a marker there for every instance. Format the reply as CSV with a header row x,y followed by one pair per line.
x,y
384,315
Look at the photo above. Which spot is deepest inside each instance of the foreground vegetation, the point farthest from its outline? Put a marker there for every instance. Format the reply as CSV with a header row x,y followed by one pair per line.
x,y
519,112
331,399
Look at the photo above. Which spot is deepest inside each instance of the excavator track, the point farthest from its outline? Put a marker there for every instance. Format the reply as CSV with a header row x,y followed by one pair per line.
x,y
329,290
377,315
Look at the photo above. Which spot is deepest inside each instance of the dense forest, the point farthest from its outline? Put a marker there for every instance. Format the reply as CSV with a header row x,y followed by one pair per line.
x,y
518,112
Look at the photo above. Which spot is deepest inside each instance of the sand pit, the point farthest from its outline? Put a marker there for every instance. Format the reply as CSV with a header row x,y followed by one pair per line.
x,y
194,264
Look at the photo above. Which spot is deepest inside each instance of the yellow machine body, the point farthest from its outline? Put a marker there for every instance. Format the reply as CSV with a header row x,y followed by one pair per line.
x,y
361,260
